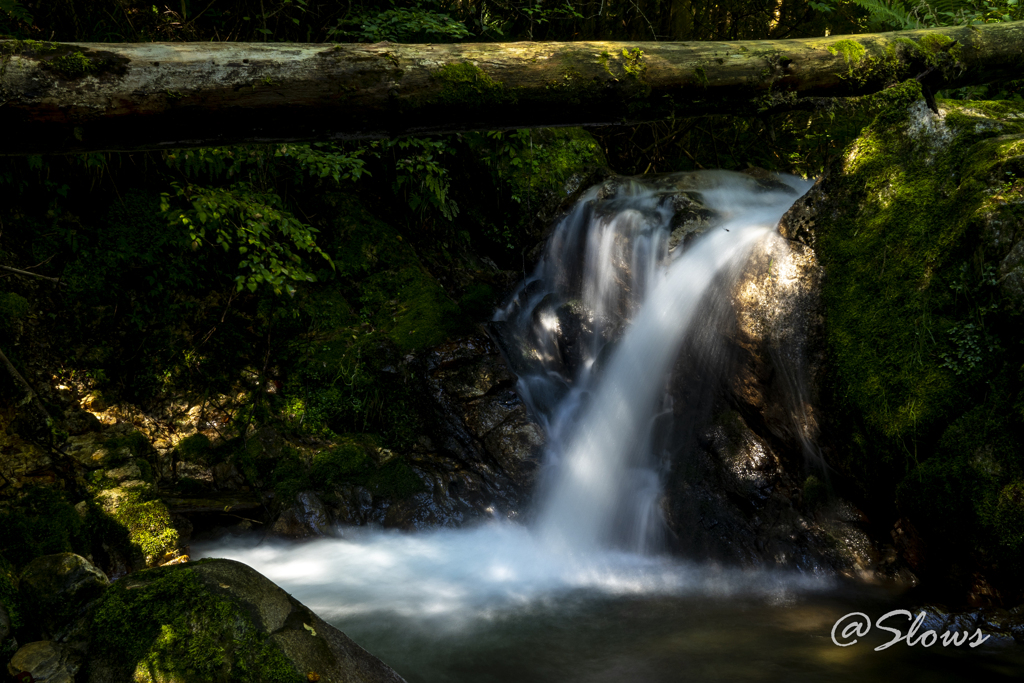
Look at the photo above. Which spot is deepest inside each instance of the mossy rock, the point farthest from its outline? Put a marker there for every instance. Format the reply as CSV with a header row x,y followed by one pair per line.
x,y
55,589
138,512
218,621
919,218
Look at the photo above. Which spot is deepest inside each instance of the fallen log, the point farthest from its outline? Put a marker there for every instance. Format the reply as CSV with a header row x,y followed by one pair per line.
x,y
76,97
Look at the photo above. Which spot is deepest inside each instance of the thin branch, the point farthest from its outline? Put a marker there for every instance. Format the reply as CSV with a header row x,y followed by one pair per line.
x,y
25,272
32,395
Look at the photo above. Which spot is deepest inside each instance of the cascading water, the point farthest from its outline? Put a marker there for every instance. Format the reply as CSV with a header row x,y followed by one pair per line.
x,y
610,261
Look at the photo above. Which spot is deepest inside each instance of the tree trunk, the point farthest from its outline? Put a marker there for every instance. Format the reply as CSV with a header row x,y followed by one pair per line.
x,y
84,97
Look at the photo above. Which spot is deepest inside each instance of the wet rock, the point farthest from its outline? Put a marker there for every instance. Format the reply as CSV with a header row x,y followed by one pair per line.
x,y
238,502
516,443
56,589
423,511
691,219
230,606
750,511
306,517
994,626
354,506
45,662
778,331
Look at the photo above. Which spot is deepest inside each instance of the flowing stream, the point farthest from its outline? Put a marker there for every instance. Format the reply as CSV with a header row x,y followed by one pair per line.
x,y
582,592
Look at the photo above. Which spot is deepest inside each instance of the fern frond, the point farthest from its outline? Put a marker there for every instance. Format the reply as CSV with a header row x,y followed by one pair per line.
x,y
16,11
893,12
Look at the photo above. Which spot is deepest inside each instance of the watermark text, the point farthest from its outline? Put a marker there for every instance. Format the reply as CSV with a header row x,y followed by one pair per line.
x,y
849,628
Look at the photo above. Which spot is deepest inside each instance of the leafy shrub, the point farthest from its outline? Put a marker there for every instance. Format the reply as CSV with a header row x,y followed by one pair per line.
x,y
403,25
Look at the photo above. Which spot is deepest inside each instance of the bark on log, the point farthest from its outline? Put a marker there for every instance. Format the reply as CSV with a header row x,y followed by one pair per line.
x,y
84,97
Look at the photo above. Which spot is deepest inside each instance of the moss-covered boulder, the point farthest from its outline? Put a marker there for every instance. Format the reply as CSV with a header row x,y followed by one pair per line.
x,y
135,509
919,228
218,621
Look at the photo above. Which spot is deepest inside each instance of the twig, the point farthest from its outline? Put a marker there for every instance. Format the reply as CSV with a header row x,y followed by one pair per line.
x,y
32,395
25,272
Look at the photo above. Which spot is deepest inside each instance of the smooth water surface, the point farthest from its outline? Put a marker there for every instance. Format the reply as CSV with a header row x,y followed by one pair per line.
x,y
493,605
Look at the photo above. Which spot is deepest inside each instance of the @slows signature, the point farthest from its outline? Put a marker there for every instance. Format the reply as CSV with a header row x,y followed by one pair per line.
x,y
857,625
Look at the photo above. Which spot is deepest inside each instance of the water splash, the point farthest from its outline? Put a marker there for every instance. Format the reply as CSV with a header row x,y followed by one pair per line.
x,y
453,578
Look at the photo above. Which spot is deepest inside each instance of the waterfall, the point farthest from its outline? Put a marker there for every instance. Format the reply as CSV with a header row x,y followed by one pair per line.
x,y
599,388
592,336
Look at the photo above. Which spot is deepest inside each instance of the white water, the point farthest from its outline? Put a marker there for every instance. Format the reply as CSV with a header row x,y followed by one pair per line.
x,y
599,500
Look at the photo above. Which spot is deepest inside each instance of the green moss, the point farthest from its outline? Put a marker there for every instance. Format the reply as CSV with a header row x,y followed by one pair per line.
x,y
634,64
937,46
572,88
148,523
409,306
479,301
30,47
702,76
166,623
465,84
72,65
67,61
851,50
